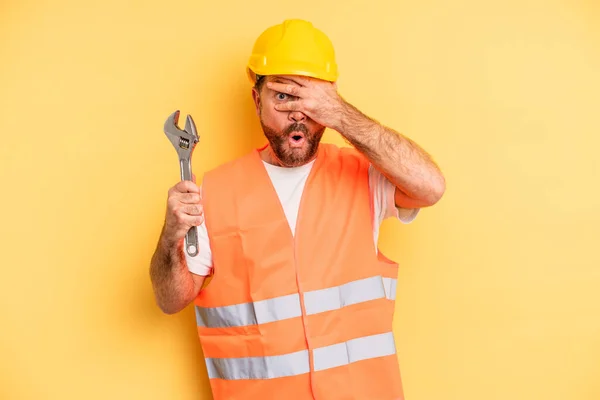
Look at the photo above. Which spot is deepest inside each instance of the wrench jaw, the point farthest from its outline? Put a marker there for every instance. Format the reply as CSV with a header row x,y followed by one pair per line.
x,y
171,129
184,141
190,127
172,121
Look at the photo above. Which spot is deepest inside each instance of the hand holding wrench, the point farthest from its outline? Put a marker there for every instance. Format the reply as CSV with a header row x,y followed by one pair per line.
x,y
184,142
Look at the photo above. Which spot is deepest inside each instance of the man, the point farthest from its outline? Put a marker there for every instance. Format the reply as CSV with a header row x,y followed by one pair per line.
x,y
300,301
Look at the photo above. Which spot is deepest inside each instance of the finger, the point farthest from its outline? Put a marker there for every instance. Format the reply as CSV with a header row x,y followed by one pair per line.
x,y
186,221
192,209
190,198
290,89
301,79
289,106
187,187
304,80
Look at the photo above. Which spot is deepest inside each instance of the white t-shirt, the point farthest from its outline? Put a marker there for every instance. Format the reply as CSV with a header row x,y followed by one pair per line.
x,y
289,184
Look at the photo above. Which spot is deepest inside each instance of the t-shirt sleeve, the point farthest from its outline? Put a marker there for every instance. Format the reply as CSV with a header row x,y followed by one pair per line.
x,y
384,204
201,263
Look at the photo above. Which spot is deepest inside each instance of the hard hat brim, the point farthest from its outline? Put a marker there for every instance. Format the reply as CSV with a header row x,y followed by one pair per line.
x,y
331,77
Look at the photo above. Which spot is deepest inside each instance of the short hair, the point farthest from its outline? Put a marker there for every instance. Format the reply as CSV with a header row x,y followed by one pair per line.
x,y
260,81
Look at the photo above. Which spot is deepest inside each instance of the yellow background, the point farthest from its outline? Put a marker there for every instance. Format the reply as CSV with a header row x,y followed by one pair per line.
x,y
498,295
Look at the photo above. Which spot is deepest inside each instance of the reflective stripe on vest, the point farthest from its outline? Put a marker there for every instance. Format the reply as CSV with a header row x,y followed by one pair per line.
x,y
285,307
389,285
297,363
258,312
258,367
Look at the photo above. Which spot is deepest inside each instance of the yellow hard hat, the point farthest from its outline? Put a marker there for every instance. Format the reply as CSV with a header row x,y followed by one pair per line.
x,y
294,47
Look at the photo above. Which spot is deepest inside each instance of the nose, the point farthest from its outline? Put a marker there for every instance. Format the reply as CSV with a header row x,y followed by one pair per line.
x,y
297,116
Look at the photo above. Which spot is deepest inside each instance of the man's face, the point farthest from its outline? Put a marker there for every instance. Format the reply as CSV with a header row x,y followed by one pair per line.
x,y
293,136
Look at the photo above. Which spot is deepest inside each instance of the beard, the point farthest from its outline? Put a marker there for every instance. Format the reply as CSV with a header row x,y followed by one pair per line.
x,y
293,157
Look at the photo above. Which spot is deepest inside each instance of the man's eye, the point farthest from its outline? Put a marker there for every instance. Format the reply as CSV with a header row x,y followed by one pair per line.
x,y
281,96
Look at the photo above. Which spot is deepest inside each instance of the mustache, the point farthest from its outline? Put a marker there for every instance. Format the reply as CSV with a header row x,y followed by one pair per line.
x,y
296,127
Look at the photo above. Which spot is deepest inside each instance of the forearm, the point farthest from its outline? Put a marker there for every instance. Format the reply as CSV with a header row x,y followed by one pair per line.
x,y
400,159
173,285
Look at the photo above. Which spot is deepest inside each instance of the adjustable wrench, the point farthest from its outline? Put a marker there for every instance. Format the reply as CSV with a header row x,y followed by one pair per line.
x,y
184,142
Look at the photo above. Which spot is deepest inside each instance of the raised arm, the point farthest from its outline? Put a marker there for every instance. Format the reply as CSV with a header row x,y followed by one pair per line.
x,y
418,180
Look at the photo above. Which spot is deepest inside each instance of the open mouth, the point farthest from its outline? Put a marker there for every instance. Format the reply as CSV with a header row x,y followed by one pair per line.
x,y
296,140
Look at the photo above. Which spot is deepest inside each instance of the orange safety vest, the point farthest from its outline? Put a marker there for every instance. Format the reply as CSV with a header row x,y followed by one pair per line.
x,y
304,316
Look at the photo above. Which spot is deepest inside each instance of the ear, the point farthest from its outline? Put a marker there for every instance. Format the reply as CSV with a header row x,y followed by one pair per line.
x,y
256,98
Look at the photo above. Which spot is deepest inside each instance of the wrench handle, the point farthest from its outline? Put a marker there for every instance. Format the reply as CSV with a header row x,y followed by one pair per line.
x,y
191,237
186,169
191,241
